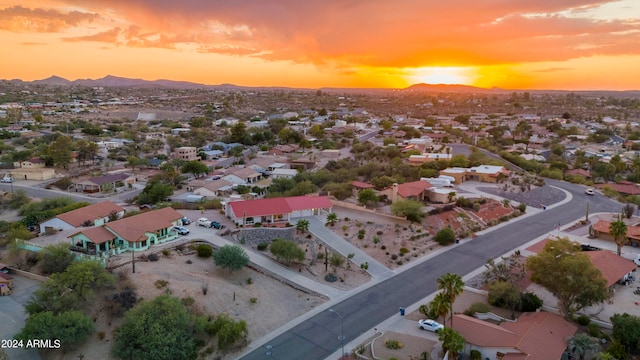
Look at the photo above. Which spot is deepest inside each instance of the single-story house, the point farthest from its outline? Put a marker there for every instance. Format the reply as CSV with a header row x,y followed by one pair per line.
x,y
6,284
284,173
482,173
104,182
33,163
414,190
214,189
247,174
623,187
613,267
601,230
91,215
133,233
534,336
38,174
274,210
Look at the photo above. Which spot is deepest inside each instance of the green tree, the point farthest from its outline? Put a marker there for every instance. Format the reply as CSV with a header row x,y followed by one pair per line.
x,y
302,226
336,260
626,329
71,327
506,295
239,132
195,167
452,286
569,275
83,277
332,218
367,197
56,258
618,229
156,330
154,192
439,306
411,209
445,236
459,160
286,250
60,151
231,257
582,343
452,341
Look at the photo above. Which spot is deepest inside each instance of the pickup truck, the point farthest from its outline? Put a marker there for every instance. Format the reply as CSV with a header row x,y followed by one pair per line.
x,y
210,224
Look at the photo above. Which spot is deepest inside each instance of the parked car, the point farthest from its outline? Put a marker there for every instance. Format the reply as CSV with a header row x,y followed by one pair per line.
x,y
204,222
144,207
637,260
216,225
589,191
431,325
7,179
185,221
181,230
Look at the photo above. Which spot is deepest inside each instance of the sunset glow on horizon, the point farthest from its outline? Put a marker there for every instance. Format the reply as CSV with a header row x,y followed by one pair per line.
x,y
525,44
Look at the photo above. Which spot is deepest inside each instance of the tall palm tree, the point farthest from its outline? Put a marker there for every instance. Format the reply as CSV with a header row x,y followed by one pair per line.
x,y
452,286
581,343
439,306
618,230
332,218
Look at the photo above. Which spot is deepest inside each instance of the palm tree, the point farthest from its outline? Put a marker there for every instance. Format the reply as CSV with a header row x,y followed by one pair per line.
x,y
452,341
332,218
581,343
302,226
618,230
452,286
439,306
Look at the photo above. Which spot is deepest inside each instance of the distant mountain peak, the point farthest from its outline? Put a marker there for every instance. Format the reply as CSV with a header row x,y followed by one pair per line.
x,y
52,80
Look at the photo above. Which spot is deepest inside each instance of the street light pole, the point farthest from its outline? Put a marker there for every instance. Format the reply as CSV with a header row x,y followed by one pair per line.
x,y
341,337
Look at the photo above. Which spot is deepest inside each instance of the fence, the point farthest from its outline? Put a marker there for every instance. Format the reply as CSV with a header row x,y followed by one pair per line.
x,y
365,209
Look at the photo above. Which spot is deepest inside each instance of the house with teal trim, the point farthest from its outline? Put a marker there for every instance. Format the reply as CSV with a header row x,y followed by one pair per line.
x,y
135,233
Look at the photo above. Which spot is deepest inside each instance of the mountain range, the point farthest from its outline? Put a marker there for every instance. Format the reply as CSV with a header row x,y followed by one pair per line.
x,y
115,81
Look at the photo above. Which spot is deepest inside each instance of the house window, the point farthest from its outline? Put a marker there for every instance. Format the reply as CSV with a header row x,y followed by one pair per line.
x,y
499,355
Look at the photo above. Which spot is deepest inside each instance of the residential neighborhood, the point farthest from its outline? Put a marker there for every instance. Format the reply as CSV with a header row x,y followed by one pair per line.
x,y
332,206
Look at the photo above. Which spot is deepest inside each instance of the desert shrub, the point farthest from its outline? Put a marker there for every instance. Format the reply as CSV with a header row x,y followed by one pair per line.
x,y
529,302
383,247
393,344
187,301
361,234
263,246
153,257
379,232
522,207
478,307
160,283
593,329
204,250
445,237
166,252
583,320
403,250
394,256
331,277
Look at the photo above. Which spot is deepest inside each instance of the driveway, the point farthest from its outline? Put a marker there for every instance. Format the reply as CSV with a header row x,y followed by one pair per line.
x,y
13,317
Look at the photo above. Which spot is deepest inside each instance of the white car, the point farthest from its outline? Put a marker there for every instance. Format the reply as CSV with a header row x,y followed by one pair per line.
x,y
589,191
7,179
431,325
181,230
204,222
637,260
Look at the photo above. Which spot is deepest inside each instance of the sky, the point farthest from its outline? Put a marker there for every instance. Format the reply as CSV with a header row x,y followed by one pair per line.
x,y
511,44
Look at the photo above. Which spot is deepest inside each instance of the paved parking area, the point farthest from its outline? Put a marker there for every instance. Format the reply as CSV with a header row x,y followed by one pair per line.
x,y
12,315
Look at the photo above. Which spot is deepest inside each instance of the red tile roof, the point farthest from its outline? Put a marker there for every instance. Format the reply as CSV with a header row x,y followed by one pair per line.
x,y
623,188
414,188
540,335
612,266
5,277
91,212
133,228
97,235
603,226
271,206
361,185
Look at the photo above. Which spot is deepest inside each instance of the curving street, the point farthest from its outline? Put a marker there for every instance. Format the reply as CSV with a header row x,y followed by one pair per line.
x,y
317,337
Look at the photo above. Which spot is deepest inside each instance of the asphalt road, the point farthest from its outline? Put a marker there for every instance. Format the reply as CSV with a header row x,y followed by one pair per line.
x,y
317,337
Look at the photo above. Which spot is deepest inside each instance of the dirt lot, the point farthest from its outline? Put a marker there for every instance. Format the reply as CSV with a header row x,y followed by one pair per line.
x,y
228,292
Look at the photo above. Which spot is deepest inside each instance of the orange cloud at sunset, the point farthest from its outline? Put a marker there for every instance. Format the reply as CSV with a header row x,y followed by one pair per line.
x,y
524,44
